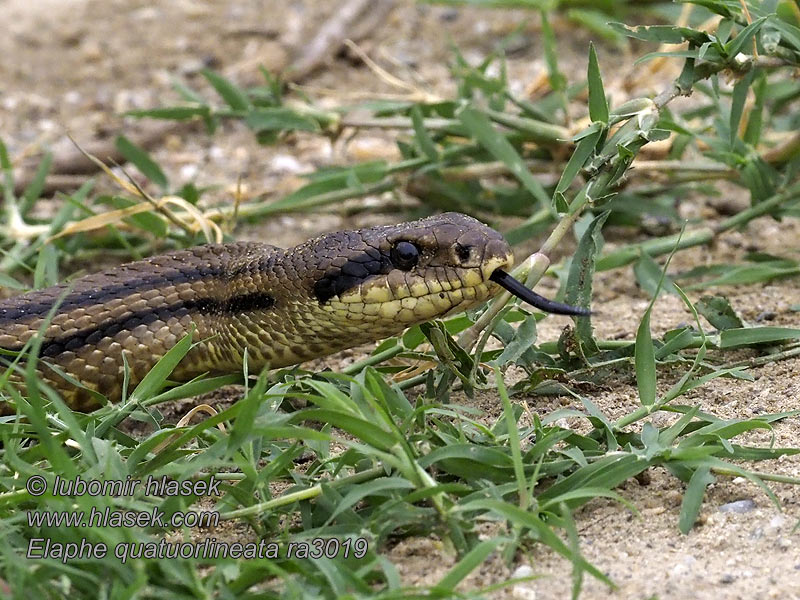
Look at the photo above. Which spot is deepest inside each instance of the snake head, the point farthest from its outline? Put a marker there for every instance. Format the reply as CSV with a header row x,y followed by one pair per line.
x,y
408,273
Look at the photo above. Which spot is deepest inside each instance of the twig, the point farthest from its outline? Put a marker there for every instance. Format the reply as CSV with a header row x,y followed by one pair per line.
x,y
415,94
332,34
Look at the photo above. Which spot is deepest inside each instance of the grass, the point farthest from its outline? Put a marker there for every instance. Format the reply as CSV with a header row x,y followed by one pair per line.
x,y
378,452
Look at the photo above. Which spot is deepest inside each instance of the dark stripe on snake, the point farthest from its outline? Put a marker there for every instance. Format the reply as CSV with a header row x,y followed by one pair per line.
x,y
111,327
80,298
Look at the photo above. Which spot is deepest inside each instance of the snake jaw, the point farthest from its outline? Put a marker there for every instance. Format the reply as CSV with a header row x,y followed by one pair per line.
x,y
457,257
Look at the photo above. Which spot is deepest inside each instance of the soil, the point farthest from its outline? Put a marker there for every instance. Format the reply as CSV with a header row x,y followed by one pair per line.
x,y
76,65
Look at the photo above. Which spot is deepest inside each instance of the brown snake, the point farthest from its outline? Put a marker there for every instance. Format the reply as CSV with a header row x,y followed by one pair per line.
x,y
333,292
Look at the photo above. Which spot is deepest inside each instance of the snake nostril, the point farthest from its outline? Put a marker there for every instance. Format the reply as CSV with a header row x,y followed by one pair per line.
x,y
463,252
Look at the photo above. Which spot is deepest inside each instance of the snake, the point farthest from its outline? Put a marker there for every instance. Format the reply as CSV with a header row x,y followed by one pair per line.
x,y
278,307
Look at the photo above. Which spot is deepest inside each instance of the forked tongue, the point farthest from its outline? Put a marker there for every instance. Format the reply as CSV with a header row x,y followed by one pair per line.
x,y
508,283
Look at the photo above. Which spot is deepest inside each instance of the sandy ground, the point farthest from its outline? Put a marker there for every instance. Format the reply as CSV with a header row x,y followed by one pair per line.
x,y
75,65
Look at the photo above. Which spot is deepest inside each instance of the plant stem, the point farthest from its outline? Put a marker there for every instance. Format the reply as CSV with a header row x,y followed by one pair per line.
x,y
765,476
306,494
373,359
261,209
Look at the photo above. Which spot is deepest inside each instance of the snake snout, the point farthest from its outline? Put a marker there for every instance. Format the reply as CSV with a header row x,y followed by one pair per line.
x,y
480,248
497,254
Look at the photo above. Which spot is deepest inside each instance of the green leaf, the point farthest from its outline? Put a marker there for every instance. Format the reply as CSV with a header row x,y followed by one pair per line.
x,y
721,7
158,375
788,32
512,430
587,493
651,277
8,173
746,274
685,338
524,337
46,273
584,149
473,559
142,161
581,275
279,118
759,177
755,121
645,361
665,34
598,106
606,472
34,189
693,498
746,35
544,532
9,282
193,388
738,98
370,488
734,338
233,95
480,127
686,78
558,81
365,431
243,426
152,222
424,140
718,311
172,113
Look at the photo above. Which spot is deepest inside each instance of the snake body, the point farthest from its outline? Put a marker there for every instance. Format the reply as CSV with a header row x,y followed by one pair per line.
x,y
283,306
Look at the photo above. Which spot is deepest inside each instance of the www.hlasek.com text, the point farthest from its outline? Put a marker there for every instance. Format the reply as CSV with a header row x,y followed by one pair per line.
x,y
109,517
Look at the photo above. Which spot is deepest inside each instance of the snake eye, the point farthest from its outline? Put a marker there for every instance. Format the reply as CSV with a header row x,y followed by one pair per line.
x,y
404,255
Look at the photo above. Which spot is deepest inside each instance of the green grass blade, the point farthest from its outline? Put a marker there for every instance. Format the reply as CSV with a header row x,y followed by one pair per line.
x,y
750,336
232,94
645,361
466,565
480,127
142,161
598,106
693,498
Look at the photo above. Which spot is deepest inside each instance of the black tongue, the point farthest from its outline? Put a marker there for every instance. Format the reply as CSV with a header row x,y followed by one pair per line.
x,y
507,282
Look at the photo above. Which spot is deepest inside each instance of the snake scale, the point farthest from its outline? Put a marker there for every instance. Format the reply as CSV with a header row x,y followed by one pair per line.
x,y
284,306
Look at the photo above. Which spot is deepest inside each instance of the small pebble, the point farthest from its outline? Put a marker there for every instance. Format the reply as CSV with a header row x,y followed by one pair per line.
x,y
524,590
685,566
92,51
72,97
728,578
189,172
449,15
286,163
775,524
738,506
783,543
